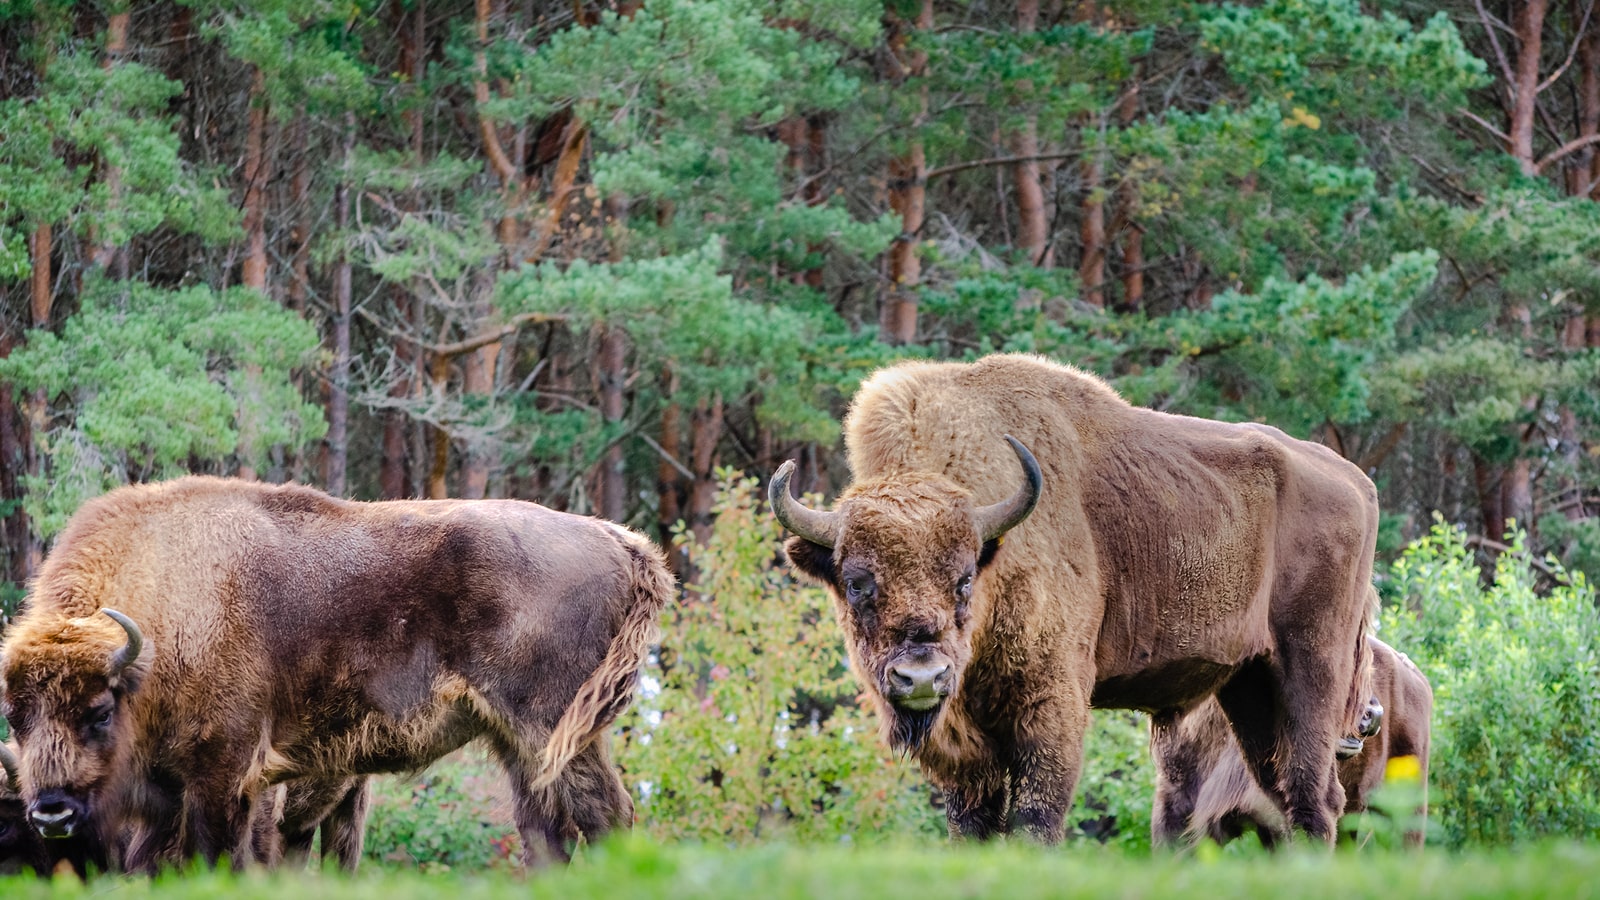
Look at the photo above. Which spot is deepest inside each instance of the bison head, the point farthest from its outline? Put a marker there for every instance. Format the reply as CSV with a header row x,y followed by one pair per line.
x,y
66,683
902,556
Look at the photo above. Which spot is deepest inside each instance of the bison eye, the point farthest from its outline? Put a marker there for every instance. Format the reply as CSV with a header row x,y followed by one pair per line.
x,y
859,590
100,719
964,587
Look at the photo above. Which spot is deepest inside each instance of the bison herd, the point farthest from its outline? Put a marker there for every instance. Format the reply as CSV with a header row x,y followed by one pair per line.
x,y
212,668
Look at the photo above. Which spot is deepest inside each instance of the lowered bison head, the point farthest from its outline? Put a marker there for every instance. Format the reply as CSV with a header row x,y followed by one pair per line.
x,y
66,684
901,556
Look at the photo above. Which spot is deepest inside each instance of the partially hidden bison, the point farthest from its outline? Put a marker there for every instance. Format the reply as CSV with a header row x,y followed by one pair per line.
x,y
21,847
290,816
189,644
990,595
1204,789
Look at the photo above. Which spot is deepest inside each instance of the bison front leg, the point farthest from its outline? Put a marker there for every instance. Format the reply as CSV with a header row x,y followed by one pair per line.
x,y
1046,759
218,823
975,804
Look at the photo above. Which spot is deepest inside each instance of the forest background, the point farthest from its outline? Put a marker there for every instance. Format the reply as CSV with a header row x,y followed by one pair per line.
x,y
584,254
600,254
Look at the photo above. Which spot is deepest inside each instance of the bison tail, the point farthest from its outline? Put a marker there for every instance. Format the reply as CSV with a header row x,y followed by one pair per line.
x,y
1361,686
609,689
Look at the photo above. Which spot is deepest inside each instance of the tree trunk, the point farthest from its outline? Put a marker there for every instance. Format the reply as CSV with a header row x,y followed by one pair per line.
x,y
1491,497
705,426
1092,229
1528,24
104,253
253,273
669,480
612,374
338,440
1033,223
13,463
1130,236
300,233
907,188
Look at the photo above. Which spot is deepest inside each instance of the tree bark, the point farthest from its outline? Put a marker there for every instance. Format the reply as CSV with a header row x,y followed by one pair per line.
x,y
907,187
338,440
705,426
669,481
1528,23
13,463
253,272
104,253
1131,234
1033,224
612,374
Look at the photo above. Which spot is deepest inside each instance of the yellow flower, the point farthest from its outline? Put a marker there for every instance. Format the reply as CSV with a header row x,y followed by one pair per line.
x,y
1403,768
1299,116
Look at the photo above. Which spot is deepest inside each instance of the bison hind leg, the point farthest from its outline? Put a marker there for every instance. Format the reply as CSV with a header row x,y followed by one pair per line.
x,y
546,831
1251,701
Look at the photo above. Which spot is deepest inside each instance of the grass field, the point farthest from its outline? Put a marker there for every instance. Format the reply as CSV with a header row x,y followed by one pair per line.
x,y
638,867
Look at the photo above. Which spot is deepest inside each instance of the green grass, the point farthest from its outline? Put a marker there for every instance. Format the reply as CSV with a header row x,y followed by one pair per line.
x,y
638,867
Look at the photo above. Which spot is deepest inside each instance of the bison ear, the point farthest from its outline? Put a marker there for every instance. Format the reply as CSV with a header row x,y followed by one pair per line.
x,y
987,552
813,560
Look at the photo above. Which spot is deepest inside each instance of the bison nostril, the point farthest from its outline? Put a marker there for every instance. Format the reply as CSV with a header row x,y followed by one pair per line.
x,y
55,817
919,680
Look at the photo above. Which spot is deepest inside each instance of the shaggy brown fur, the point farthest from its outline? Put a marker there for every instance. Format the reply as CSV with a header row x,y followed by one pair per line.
x,y
1169,559
21,848
289,817
291,635
1203,788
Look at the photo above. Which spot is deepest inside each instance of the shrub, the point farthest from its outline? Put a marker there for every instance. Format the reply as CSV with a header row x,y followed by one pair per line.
x,y
1516,680
445,818
749,727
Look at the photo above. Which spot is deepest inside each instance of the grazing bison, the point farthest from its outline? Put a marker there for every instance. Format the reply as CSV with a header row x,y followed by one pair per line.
x,y
1203,788
21,848
292,814
1150,561
264,634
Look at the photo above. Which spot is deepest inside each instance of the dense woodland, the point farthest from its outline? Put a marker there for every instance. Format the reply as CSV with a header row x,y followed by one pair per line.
x,y
586,253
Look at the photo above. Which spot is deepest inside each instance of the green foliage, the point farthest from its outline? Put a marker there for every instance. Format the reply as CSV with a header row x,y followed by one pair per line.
x,y
749,728
443,819
1516,680
116,114
154,380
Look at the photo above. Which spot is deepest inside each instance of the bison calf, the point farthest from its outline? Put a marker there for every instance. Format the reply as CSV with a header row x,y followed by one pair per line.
x,y
1203,788
262,634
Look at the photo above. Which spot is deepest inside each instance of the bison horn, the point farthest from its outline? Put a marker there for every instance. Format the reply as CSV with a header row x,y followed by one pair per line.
x,y
8,761
998,518
130,651
821,528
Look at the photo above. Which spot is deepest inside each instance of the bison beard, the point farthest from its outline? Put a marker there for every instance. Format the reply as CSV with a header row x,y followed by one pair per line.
x,y
1143,561
272,634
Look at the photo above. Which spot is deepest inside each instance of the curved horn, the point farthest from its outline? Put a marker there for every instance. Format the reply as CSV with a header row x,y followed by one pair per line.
x,y
821,528
998,518
8,761
130,651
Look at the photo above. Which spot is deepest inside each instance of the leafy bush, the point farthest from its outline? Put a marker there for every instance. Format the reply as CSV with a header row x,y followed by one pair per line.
x,y
1516,680
446,818
749,727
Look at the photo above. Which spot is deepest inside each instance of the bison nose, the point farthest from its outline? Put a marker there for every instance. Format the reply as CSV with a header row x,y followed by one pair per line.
x,y
55,815
919,686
